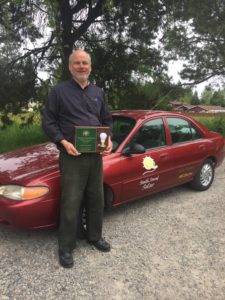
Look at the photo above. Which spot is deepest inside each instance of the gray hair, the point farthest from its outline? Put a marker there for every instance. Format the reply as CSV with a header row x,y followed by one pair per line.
x,y
79,50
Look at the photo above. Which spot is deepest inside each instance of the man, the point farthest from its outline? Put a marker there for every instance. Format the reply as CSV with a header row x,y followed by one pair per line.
x,y
77,102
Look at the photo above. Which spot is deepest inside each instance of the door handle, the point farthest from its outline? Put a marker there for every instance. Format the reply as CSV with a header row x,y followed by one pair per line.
x,y
163,156
202,147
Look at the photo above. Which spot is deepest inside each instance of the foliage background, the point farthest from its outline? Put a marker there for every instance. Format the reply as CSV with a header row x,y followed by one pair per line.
x,y
131,43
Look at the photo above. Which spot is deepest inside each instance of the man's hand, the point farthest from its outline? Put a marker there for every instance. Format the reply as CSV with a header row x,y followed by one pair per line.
x,y
108,149
70,149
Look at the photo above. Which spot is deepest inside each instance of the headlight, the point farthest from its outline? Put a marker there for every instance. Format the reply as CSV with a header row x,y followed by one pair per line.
x,y
17,192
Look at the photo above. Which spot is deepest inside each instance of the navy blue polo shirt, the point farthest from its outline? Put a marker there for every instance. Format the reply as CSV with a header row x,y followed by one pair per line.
x,y
69,105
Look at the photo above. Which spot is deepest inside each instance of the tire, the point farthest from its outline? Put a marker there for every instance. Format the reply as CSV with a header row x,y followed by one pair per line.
x,y
205,176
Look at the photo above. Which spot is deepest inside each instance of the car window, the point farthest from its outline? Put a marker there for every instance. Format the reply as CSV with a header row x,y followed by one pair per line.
x,y
182,130
122,126
151,134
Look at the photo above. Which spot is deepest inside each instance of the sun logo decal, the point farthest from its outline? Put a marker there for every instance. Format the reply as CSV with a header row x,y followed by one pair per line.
x,y
149,164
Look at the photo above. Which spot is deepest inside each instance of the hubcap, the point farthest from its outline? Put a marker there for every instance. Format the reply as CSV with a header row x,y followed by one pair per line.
x,y
206,174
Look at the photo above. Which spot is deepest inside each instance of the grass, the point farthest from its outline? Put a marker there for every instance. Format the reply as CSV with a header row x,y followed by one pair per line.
x,y
212,122
15,137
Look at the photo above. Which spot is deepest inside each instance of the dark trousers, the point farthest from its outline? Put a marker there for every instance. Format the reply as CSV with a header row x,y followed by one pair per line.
x,y
81,180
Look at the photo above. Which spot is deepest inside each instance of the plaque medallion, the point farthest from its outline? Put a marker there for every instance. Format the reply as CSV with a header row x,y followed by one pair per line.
x,y
91,139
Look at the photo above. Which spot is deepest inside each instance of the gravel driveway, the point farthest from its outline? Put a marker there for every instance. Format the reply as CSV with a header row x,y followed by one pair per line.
x,y
169,246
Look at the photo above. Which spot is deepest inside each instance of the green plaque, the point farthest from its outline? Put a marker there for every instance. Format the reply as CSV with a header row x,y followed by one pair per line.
x,y
91,139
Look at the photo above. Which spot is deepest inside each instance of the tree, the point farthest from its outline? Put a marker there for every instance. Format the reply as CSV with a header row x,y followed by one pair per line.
x,y
83,23
187,96
207,95
218,98
141,95
17,85
18,80
196,34
195,100
119,34
128,40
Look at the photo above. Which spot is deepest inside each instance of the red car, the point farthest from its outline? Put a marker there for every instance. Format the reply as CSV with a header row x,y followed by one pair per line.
x,y
153,151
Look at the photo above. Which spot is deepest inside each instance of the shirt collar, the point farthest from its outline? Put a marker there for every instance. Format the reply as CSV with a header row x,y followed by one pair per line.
x,y
77,84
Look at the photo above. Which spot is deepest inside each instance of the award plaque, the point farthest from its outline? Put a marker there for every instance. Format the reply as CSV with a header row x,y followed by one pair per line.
x,y
91,139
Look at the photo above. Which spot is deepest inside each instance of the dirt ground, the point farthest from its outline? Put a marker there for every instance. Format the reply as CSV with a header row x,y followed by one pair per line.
x,y
168,246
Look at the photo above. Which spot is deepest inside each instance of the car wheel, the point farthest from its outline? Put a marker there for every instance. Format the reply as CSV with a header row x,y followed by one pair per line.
x,y
204,178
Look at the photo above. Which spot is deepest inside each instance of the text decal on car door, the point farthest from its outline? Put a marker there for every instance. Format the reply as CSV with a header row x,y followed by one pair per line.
x,y
148,183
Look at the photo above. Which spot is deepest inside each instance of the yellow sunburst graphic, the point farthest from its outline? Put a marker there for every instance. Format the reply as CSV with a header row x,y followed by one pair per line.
x,y
149,164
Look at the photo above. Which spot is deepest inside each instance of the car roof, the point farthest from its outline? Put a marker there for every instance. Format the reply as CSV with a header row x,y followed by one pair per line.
x,y
142,114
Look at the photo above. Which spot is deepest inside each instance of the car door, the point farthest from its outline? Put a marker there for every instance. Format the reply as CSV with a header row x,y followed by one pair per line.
x,y
188,148
143,174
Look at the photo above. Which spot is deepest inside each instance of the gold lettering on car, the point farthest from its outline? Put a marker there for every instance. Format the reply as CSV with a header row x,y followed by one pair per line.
x,y
184,175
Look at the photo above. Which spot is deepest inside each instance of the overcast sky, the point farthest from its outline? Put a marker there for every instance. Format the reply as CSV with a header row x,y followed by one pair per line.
x,y
176,66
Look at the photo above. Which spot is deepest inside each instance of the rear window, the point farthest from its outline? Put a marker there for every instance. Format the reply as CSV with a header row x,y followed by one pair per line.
x,y
182,130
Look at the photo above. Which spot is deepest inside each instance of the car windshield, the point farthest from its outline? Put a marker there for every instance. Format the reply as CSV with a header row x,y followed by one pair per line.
x,y
122,126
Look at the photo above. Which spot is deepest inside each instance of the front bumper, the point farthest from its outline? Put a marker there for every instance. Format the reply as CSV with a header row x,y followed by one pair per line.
x,y
32,214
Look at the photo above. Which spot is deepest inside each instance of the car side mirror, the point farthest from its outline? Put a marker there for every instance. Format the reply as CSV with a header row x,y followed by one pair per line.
x,y
133,149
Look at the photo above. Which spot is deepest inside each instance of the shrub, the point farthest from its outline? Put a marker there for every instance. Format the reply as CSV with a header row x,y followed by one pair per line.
x,y
14,137
214,123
